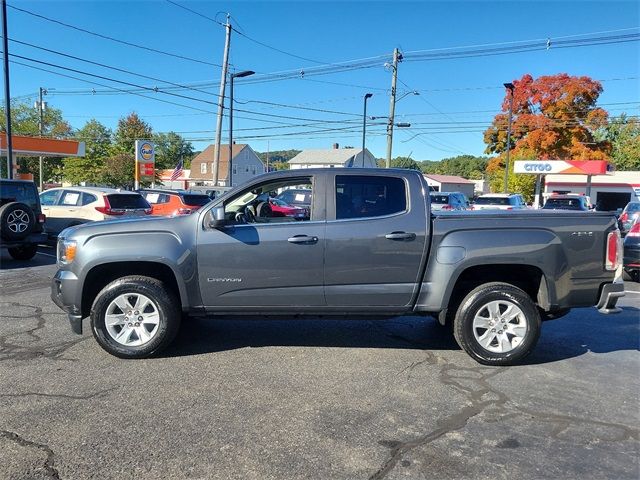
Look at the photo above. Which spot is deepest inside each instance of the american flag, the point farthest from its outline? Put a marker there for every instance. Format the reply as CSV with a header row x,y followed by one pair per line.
x,y
177,171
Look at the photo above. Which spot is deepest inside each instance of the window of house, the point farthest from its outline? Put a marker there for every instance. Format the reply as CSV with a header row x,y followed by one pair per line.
x,y
235,170
203,167
362,196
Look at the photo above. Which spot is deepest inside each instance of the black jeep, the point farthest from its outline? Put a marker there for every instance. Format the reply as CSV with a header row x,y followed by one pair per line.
x,y
21,218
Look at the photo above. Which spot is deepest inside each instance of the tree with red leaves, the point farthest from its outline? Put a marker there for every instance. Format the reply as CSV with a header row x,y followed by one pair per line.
x,y
554,118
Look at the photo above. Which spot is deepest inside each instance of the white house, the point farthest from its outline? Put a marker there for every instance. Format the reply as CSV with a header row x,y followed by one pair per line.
x,y
245,165
333,158
450,183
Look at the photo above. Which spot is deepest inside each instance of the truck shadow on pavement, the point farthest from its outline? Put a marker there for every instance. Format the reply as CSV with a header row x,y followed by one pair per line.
x,y
202,335
571,336
577,334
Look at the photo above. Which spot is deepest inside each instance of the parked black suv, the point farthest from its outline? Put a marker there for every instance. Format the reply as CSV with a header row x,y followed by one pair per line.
x,y
21,218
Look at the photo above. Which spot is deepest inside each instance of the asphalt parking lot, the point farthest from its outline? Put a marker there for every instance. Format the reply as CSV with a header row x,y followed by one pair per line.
x,y
262,399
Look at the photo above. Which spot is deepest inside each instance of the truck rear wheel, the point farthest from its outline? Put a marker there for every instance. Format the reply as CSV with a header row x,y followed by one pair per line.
x,y
497,324
135,317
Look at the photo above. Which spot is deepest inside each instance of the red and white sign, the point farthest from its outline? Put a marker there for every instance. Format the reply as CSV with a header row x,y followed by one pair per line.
x,y
566,167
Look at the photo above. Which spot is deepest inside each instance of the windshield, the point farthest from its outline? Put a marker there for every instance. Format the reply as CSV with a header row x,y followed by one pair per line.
x,y
127,201
195,199
492,201
563,203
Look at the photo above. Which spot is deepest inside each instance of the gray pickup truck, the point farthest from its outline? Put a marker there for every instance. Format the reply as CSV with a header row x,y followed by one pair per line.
x,y
369,246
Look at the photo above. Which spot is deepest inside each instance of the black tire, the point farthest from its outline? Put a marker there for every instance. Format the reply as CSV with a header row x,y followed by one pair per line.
x,y
476,303
17,220
635,275
25,252
164,302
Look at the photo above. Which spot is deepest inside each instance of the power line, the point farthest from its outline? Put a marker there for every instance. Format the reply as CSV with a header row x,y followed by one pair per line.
x,y
196,13
107,86
117,40
102,77
118,69
242,34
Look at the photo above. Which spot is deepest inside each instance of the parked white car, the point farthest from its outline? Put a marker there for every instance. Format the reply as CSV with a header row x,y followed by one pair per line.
x,y
499,201
69,206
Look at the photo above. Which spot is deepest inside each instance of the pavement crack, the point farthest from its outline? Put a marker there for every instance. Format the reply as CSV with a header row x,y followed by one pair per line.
x,y
49,463
58,395
473,383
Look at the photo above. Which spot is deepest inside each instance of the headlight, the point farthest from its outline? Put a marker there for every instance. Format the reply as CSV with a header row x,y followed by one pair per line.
x,y
66,251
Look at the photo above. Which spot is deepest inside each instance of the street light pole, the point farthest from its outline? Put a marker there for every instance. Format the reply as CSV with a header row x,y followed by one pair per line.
x,y
364,123
245,73
510,87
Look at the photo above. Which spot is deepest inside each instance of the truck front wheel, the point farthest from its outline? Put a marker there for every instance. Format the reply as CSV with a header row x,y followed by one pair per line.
x,y
135,317
497,324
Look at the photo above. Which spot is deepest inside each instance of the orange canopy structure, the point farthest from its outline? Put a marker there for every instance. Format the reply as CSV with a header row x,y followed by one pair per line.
x,y
36,146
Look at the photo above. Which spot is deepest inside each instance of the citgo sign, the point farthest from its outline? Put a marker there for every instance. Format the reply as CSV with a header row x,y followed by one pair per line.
x,y
568,167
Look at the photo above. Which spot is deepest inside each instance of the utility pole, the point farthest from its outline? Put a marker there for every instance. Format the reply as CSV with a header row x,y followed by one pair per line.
x,y
397,56
267,167
364,124
7,93
40,129
510,87
223,82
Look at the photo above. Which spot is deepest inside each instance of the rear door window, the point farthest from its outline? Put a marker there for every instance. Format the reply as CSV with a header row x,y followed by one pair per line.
x,y
70,198
127,201
362,196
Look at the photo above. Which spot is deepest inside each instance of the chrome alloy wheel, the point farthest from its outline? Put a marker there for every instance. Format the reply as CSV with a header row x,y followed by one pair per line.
x,y
499,326
18,221
132,319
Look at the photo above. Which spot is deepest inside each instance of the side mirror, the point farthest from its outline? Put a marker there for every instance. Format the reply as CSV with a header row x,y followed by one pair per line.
x,y
217,218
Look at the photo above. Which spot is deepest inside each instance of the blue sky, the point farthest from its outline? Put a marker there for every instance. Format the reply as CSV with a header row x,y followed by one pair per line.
x,y
458,97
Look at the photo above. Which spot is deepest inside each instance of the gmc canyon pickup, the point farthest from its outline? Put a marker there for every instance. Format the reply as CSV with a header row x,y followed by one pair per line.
x,y
369,246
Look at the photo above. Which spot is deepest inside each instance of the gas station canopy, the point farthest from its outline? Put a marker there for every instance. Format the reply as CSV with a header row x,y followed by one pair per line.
x,y
23,146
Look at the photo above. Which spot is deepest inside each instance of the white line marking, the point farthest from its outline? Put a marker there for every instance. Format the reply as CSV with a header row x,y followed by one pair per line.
x,y
47,254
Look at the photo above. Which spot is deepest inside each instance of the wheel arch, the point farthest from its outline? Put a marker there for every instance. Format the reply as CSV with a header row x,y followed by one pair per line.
x,y
102,274
529,278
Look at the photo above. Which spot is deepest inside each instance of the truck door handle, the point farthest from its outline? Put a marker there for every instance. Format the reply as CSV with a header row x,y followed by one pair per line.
x,y
302,239
400,236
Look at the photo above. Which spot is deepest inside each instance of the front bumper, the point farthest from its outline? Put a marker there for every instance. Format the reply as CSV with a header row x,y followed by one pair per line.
x,y
609,296
66,295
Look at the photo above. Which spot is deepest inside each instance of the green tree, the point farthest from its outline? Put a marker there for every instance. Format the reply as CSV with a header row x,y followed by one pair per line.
x,y
89,168
516,182
130,129
170,148
25,121
118,172
624,135
405,162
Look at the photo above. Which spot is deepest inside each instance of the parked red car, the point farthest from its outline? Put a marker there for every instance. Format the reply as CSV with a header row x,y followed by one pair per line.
x,y
281,208
174,202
